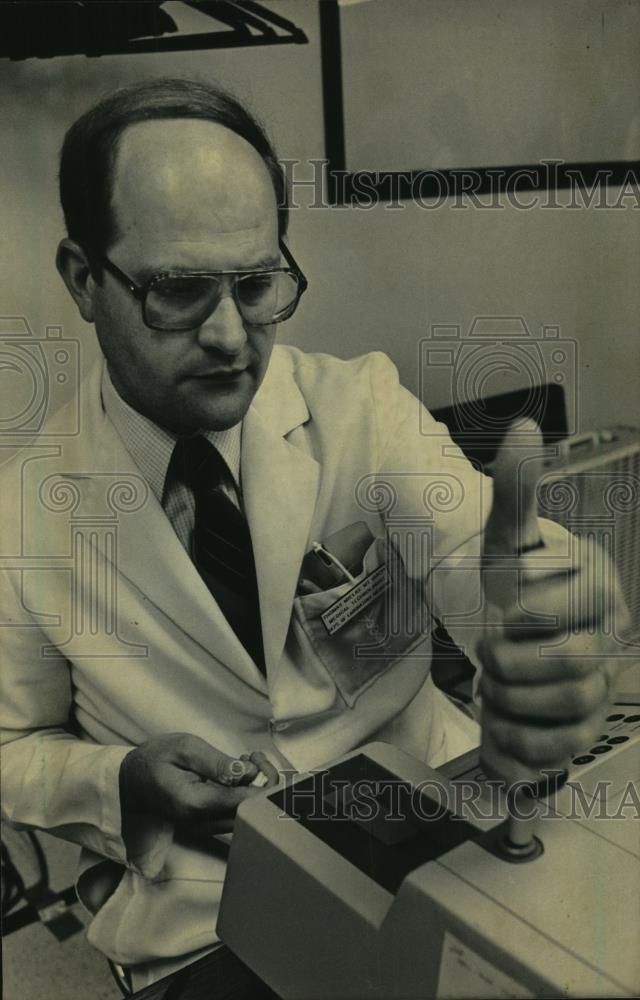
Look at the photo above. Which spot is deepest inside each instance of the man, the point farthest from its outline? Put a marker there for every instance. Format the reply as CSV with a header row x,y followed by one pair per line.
x,y
223,460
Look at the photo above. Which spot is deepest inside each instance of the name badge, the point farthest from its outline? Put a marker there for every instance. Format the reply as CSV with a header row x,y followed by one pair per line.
x,y
356,600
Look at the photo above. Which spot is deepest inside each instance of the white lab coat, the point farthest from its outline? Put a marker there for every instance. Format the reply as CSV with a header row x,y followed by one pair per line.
x,y
111,637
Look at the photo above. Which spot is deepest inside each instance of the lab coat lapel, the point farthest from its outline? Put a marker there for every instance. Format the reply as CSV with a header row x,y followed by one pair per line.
x,y
151,556
149,552
280,484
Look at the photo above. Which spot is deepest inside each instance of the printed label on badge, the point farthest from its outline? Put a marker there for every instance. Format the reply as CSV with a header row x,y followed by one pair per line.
x,y
356,599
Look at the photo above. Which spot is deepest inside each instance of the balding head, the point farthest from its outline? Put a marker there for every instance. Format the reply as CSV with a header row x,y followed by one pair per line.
x,y
190,184
91,149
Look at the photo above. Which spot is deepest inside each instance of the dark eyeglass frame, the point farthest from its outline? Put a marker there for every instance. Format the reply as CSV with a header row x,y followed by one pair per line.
x,y
140,292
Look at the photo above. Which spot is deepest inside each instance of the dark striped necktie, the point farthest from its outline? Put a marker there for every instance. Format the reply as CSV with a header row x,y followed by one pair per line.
x,y
221,544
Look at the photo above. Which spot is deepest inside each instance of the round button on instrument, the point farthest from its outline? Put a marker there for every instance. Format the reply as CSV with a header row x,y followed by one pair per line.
x,y
584,758
603,748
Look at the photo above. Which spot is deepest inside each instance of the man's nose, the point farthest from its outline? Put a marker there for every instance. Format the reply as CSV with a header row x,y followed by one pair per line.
x,y
224,329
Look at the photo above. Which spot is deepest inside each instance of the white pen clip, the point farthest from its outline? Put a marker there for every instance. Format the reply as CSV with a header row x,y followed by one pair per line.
x,y
329,559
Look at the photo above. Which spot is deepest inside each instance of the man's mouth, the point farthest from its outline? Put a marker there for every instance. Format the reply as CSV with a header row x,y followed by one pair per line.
x,y
222,375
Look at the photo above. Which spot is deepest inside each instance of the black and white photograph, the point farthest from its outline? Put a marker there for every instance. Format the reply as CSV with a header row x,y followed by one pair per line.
x,y
320,499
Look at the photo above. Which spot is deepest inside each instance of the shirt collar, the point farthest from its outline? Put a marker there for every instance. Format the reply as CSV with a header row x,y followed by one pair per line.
x,y
151,447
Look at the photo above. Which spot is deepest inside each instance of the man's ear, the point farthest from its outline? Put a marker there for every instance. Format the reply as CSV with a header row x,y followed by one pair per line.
x,y
72,263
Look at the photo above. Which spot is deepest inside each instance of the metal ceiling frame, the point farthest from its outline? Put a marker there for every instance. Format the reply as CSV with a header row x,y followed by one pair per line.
x,y
250,24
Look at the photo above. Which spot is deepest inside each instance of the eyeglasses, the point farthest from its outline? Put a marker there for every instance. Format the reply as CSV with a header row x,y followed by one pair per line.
x,y
179,301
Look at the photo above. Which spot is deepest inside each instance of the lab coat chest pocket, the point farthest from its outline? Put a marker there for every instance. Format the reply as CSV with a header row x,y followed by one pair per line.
x,y
359,629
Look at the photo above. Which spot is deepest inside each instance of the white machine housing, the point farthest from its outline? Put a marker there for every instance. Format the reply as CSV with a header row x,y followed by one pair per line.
x,y
312,923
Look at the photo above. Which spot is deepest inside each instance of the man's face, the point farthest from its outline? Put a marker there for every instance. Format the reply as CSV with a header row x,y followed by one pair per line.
x,y
187,195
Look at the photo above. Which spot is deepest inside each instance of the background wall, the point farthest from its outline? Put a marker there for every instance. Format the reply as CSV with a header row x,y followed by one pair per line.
x,y
490,82
379,277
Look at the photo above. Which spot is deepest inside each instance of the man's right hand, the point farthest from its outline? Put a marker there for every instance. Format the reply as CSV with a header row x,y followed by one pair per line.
x,y
184,779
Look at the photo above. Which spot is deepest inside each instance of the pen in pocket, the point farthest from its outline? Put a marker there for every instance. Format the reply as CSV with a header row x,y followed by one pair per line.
x,y
332,563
